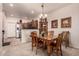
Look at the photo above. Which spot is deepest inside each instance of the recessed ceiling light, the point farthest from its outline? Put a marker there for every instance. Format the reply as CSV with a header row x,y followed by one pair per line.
x,y
12,15
32,12
11,5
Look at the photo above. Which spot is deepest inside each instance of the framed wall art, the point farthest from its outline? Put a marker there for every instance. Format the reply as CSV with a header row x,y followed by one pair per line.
x,y
66,22
54,24
30,25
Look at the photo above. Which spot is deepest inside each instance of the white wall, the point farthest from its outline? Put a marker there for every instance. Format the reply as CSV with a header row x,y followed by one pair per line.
x,y
1,17
67,11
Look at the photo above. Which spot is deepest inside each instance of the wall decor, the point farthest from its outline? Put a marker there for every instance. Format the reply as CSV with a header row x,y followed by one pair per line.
x,y
66,22
30,25
54,24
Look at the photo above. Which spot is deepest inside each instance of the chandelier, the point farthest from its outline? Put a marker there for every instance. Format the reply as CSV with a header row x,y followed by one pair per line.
x,y
43,15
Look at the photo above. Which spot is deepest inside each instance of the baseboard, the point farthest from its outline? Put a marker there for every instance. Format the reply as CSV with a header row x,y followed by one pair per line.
x,y
74,47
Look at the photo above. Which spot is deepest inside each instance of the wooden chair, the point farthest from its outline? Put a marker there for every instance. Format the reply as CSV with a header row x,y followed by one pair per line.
x,y
56,45
33,35
39,43
50,34
65,38
48,42
36,41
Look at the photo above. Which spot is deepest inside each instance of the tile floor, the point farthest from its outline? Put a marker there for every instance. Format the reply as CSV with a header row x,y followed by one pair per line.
x,y
24,49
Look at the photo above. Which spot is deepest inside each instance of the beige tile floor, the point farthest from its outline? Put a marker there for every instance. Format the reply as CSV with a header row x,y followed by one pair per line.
x,y
24,49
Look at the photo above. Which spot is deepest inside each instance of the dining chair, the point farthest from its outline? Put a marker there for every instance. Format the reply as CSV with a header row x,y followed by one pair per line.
x,y
51,34
65,38
39,43
33,35
48,42
56,45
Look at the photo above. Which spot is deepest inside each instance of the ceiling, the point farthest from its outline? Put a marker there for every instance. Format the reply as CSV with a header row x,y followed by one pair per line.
x,y
30,10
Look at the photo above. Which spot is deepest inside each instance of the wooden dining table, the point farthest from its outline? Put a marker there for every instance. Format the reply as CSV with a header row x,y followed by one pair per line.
x,y
47,43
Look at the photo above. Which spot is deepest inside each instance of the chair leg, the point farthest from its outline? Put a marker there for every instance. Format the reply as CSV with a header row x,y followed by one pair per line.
x,y
58,52
61,53
36,50
32,46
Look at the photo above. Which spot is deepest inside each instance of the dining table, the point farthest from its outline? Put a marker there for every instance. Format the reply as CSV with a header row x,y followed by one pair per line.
x,y
47,43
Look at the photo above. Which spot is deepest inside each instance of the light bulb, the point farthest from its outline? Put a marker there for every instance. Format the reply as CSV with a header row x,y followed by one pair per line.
x,y
41,15
45,15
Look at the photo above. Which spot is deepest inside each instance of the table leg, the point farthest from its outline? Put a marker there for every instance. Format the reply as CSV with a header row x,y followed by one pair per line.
x,y
49,49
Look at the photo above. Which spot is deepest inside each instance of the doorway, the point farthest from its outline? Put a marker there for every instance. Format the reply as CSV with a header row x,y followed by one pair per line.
x,y
11,30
